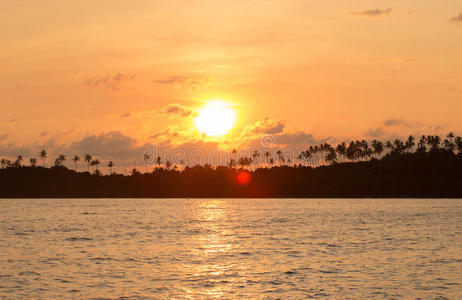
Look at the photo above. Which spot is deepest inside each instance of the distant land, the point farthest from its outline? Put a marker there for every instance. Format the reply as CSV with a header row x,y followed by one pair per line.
x,y
432,174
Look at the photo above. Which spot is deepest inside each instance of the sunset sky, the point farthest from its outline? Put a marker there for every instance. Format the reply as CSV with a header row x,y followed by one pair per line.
x,y
111,77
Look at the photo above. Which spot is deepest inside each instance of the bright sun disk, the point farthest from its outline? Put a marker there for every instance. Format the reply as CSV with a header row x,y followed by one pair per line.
x,y
216,118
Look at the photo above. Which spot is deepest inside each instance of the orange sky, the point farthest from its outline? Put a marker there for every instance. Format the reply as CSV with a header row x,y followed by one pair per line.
x,y
301,70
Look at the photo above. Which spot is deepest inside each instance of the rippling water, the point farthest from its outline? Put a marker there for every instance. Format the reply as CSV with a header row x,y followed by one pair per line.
x,y
230,248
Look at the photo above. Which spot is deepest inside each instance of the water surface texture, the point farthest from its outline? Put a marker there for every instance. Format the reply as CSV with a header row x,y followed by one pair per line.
x,y
230,248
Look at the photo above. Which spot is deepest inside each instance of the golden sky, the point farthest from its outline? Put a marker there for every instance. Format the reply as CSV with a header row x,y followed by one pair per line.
x,y
136,72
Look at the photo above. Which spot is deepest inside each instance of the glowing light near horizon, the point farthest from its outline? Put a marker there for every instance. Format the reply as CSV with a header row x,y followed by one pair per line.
x,y
216,118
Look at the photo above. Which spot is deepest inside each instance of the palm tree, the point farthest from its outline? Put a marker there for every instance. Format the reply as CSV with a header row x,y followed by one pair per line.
x,y
4,163
231,163
95,163
110,165
308,156
57,162
244,161
301,157
43,154
158,161
267,155
280,156
33,162
341,150
255,156
146,158
434,142
75,160
377,147
18,161
398,146
449,145
421,146
410,143
331,156
62,158
168,164
88,159
352,151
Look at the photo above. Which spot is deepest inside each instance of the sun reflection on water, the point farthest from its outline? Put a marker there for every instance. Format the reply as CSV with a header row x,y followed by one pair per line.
x,y
215,245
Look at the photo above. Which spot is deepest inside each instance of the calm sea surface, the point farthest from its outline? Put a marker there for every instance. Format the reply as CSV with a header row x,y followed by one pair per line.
x,y
230,248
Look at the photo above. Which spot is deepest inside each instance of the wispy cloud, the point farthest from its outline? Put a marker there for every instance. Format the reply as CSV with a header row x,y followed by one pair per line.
x,y
172,80
108,81
396,122
373,12
189,83
3,137
265,126
176,109
375,132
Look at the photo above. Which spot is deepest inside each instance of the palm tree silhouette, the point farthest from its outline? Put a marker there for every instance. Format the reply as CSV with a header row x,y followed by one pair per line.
x,y
158,161
75,160
88,159
43,154
458,142
62,158
4,163
341,150
146,158
255,156
377,147
18,161
434,142
449,145
410,143
331,156
280,156
267,155
95,163
110,165
231,163
421,146
59,160
33,162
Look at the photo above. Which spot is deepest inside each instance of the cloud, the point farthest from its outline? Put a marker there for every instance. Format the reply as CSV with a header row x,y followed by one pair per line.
x,y
44,133
189,83
125,115
166,133
176,109
396,122
457,18
110,144
108,81
3,137
373,12
265,126
298,138
375,132
172,80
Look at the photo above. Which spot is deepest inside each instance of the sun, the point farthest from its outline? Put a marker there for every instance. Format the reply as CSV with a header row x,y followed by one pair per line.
x,y
216,118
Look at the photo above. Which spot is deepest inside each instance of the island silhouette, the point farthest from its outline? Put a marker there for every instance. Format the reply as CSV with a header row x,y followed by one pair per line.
x,y
429,167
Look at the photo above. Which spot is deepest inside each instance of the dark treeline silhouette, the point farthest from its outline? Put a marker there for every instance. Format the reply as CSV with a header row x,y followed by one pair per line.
x,y
429,167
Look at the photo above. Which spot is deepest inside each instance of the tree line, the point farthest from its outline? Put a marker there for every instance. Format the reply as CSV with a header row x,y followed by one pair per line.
x,y
313,156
